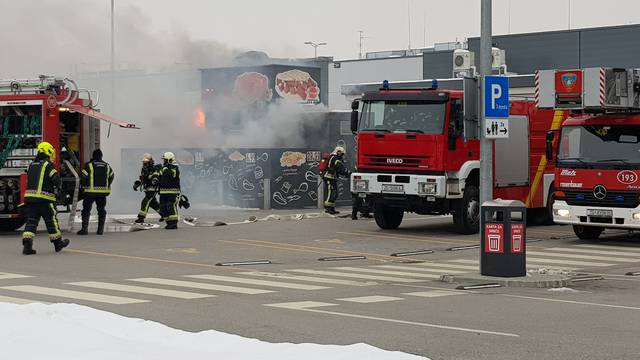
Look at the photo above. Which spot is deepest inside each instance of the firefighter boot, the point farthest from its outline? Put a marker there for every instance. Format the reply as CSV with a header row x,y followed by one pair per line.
x,y
171,225
331,210
60,244
85,227
28,247
101,221
139,220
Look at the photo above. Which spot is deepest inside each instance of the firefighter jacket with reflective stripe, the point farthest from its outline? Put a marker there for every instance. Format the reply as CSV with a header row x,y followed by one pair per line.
x,y
42,180
97,177
335,168
169,180
149,175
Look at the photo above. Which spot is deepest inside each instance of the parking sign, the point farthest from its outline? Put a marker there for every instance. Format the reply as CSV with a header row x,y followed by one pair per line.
x,y
496,98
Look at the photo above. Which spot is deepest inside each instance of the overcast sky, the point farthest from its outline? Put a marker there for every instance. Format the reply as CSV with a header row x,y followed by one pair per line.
x,y
282,26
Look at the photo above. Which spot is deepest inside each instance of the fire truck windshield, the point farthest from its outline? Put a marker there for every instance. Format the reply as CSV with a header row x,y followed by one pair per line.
x,y
604,145
403,116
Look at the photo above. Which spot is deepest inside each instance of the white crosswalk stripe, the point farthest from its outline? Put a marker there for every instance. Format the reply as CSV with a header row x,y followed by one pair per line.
x,y
19,301
141,290
580,256
203,286
9,276
448,266
322,280
355,276
597,252
371,299
435,293
281,284
388,272
565,262
423,269
630,249
75,295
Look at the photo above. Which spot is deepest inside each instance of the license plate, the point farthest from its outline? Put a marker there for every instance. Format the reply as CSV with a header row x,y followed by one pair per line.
x,y
362,195
392,188
600,213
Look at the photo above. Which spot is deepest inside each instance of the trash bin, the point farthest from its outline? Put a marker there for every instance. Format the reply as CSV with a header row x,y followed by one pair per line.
x,y
503,238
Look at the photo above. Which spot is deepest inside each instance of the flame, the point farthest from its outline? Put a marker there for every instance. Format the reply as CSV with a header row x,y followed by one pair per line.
x,y
199,118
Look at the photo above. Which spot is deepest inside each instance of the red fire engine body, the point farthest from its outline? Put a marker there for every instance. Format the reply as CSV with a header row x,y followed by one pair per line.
x,y
414,154
45,109
598,150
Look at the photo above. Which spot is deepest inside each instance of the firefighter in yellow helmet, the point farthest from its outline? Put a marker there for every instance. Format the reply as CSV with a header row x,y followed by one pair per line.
x,y
169,188
335,169
40,200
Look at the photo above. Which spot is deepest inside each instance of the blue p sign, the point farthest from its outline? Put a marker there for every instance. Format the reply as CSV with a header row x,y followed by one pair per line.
x,y
496,98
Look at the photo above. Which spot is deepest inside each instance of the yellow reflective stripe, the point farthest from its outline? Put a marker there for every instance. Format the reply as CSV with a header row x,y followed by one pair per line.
x,y
85,172
108,174
40,196
52,172
28,235
90,176
41,178
57,235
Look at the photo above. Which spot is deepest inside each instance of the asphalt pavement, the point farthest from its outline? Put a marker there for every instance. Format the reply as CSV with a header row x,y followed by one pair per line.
x,y
396,303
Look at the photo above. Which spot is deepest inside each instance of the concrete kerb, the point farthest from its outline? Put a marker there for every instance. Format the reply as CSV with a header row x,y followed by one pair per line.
x,y
531,280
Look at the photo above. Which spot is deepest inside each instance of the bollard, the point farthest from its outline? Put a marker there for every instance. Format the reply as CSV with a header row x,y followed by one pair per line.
x,y
267,193
320,193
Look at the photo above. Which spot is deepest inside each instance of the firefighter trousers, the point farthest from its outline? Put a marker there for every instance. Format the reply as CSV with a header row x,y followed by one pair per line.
x,y
87,204
169,208
149,201
46,210
330,192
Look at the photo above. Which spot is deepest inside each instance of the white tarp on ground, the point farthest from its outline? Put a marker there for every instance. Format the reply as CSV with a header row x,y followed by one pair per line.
x,y
70,332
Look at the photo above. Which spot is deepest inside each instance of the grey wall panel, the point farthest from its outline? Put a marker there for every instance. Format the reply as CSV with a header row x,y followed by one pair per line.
x,y
527,53
438,65
613,47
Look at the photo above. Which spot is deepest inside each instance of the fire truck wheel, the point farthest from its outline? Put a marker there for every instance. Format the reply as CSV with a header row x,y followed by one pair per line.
x,y
7,225
467,211
388,218
587,232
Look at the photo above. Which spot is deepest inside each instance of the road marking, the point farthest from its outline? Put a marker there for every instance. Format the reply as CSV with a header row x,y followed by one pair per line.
x,y
371,299
308,306
204,286
300,305
424,239
76,295
434,293
466,261
129,257
309,278
450,266
7,276
632,249
601,252
578,256
286,285
424,218
355,276
141,290
534,260
371,256
387,272
566,262
19,301
424,269
573,302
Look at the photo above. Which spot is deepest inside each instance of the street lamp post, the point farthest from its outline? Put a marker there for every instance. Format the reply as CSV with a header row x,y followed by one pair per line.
x,y
315,47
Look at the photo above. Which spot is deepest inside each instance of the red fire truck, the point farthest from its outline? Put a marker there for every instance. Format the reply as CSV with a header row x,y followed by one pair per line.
x,y
418,150
598,150
45,109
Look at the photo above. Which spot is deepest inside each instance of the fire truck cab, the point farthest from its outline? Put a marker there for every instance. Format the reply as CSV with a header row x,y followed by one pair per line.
x,y
418,150
598,149
45,109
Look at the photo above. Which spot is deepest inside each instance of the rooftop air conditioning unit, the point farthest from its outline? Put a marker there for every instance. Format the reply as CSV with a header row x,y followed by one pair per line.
x,y
498,58
463,63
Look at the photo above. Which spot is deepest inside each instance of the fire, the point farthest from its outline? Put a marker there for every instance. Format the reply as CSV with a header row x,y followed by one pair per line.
x,y
199,119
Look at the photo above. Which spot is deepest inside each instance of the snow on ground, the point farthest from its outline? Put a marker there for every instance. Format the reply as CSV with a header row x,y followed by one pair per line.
x,y
563,290
70,332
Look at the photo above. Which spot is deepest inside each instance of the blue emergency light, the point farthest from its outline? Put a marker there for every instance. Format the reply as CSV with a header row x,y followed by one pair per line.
x,y
385,85
434,84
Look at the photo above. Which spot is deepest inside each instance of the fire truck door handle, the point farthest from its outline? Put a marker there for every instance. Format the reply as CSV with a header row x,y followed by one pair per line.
x,y
379,136
411,137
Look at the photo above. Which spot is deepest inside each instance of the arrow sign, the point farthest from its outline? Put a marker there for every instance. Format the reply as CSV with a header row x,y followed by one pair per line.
x,y
497,128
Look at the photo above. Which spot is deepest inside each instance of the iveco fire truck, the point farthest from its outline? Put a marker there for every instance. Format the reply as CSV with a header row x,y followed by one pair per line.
x,y
598,150
44,109
418,150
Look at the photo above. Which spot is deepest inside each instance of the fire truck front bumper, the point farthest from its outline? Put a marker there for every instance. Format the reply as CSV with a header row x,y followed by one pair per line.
x,y
608,217
427,186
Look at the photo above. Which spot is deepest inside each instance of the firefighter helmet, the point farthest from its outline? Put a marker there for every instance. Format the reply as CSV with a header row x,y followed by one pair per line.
x,y
339,149
169,156
46,149
147,158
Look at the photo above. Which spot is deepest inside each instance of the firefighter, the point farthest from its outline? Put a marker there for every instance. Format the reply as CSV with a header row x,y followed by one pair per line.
x,y
359,205
97,177
335,169
149,183
169,184
43,182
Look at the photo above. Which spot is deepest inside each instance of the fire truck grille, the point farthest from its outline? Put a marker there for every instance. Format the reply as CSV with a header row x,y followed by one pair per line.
x,y
619,199
394,161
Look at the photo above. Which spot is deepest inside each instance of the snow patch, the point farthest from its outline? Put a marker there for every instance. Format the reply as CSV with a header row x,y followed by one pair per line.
x,y
70,332
563,290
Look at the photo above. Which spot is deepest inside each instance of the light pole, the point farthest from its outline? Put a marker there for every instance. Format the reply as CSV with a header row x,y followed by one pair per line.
x,y
315,47
113,64
486,150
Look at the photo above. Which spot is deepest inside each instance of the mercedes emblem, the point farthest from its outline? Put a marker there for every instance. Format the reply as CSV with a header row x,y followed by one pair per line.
x,y
600,192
